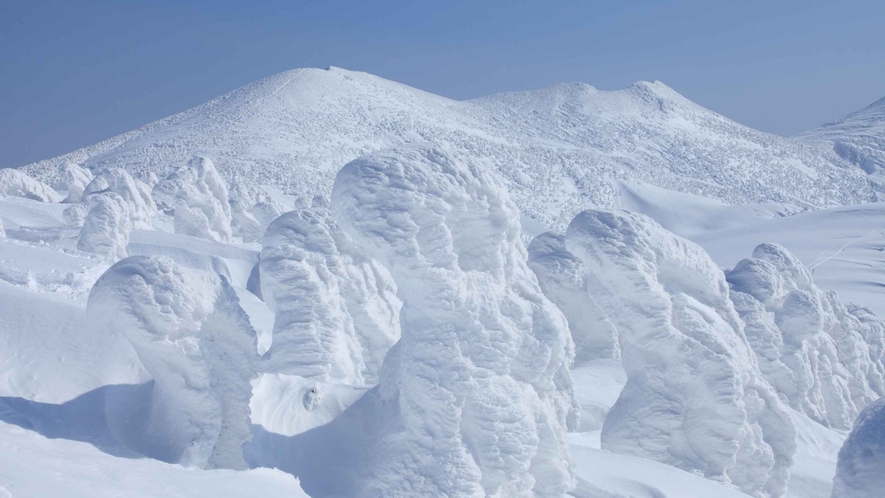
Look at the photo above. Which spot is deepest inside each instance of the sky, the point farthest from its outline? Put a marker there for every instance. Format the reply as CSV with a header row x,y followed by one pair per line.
x,y
73,73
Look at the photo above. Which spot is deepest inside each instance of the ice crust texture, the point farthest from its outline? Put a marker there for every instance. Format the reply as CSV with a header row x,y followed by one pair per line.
x,y
336,312
860,472
694,397
190,333
478,390
17,183
824,358
197,197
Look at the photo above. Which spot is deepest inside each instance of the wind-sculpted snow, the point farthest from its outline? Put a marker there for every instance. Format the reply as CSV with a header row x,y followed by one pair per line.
x,y
694,397
337,313
190,333
476,397
825,361
75,178
861,469
17,183
134,193
560,274
198,199
107,225
557,149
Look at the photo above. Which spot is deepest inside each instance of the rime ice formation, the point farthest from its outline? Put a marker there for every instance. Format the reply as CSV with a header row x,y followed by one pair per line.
x,y
694,397
106,227
75,178
243,223
2,231
861,469
133,192
858,137
560,274
336,317
478,387
337,314
190,333
265,211
825,359
16,183
198,198
75,214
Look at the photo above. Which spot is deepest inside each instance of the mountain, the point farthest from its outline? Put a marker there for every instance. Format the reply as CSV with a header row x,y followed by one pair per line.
x,y
559,149
858,137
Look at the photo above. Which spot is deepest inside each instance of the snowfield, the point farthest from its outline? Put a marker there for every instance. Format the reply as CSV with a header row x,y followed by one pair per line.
x,y
328,284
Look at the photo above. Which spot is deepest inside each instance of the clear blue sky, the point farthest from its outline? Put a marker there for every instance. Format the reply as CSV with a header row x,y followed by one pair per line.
x,y
74,72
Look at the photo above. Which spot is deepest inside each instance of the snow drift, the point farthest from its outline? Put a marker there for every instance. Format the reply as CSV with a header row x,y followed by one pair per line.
x,y
694,397
16,183
476,395
198,199
824,358
337,313
106,227
560,275
190,333
861,469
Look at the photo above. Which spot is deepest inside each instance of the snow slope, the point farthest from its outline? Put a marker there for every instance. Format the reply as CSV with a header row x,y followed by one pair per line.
x,y
555,147
858,137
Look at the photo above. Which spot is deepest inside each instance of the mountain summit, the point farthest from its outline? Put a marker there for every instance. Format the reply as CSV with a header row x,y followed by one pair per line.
x,y
558,149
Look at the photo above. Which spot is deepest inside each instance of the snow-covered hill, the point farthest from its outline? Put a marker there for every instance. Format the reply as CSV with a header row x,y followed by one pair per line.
x,y
858,137
556,148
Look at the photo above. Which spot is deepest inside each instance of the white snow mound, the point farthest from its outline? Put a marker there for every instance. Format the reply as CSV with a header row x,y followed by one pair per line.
x,y
106,227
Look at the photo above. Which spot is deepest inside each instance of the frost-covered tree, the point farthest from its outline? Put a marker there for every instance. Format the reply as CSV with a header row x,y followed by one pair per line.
x,y
477,394
134,193
75,178
694,397
860,472
75,214
197,197
560,274
106,227
16,183
822,358
191,334
337,313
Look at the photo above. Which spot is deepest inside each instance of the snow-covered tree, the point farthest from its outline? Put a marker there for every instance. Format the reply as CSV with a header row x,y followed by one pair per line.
x,y
16,183
337,313
694,397
820,357
75,214
476,395
191,334
106,227
560,274
134,193
197,196
75,178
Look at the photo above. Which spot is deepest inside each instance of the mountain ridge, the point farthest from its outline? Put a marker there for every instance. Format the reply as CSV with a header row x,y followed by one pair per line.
x,y
559,148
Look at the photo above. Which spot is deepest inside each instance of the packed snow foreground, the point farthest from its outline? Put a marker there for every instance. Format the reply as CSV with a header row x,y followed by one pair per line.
x,y
414,346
